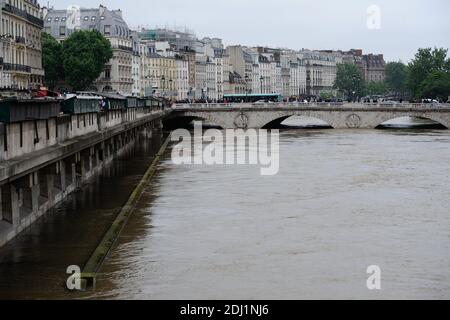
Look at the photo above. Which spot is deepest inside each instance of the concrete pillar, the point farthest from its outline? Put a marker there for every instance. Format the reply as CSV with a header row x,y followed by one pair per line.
x,y
62,176
97,157
1,204
91,158
35,193
14,206
74,174
10,205
50,188
31,192
83,169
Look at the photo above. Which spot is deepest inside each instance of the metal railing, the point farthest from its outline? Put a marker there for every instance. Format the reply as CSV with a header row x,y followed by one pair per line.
x,y
16,67
20,39
325,105
24,14
35,20
125,48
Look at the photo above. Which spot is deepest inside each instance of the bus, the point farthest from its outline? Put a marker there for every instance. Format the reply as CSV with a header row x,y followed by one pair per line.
x,y
252,98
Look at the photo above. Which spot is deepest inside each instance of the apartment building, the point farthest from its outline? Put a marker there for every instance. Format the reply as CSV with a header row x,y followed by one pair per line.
x,y
20,44
118,74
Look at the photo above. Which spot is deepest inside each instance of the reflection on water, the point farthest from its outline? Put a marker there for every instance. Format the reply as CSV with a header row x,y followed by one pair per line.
x,y
342,201
34,264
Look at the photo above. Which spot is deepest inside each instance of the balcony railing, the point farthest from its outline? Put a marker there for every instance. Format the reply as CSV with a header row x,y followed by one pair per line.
x,y
125,48
35,20
20,39
22,13
16,67
15,10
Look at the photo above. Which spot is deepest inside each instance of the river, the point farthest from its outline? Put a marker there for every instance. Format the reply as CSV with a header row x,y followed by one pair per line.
x,y
343,200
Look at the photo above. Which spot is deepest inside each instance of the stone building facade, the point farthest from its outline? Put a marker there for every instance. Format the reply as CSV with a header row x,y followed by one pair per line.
x,y
118,74
20,44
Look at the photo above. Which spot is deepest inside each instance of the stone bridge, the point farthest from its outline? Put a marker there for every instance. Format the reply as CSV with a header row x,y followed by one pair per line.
x,y
338,116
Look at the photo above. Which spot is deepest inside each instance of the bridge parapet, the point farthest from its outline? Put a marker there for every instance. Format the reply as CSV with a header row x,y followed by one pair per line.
x,y
290,105
337,115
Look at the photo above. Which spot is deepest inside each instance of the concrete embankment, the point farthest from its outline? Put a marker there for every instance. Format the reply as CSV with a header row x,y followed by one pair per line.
x,y
44,161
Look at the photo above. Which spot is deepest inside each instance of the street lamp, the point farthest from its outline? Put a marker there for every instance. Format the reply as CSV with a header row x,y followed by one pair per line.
x,y
261,80
246,88
354,87
163,80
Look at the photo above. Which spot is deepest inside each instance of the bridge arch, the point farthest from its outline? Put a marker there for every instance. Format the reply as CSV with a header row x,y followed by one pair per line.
x,y
269,121
184,121
436,118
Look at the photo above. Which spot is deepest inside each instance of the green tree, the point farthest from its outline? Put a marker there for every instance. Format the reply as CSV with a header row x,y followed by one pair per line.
x,y
426,62
436,85
85,54
396,77
326,95
376,88
52,60
349,81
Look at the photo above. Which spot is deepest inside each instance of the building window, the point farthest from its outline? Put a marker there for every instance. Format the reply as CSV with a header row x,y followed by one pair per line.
x,y
107,30
56,19
86,18
62,30
93,18
63,19
108,73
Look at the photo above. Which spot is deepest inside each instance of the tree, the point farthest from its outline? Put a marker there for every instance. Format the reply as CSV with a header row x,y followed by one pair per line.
x,y
375,88
349,81
326,95
426,62
396,77
436,85
85,54
52,60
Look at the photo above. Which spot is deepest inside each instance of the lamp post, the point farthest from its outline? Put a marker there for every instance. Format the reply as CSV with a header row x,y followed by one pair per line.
x,y
261,80
163,80
246,88
354,87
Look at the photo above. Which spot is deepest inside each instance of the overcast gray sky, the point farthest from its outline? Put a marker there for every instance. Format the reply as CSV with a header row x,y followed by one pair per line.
x,y
315,24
